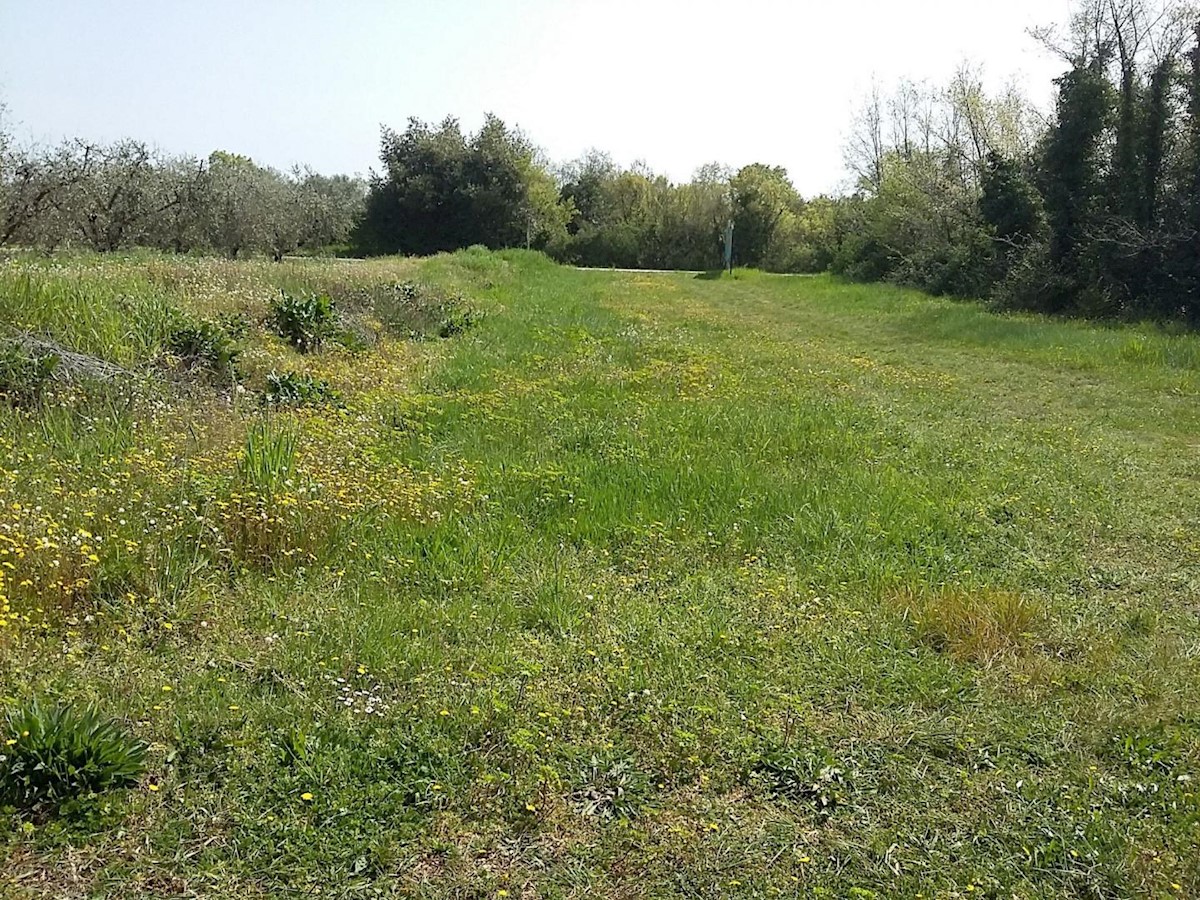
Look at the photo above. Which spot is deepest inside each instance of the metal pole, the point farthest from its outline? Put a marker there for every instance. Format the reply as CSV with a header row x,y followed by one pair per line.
x,y
729,247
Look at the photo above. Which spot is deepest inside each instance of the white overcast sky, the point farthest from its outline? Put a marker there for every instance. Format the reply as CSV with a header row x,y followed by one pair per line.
x,y
676,83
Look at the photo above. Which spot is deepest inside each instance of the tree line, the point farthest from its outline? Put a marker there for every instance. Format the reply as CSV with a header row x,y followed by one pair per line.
x,y
1092,209
1094,212
109,197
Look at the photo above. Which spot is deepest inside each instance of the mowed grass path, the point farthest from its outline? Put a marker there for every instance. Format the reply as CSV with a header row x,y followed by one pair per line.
x,y
747,587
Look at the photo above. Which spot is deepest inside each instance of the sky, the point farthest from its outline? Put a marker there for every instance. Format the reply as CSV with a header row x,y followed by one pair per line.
x,y
673,83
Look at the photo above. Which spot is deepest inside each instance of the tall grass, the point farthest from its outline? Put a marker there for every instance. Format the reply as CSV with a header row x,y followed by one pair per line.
x,y
268,462
124,321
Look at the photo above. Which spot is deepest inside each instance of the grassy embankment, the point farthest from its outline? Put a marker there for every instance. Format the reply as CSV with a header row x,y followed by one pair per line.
x,y
640,585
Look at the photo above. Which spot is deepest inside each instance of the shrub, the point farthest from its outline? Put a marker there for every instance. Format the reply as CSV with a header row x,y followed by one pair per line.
x,y
59,754
205,345
24,373
234,324
457,323
290,389
305,322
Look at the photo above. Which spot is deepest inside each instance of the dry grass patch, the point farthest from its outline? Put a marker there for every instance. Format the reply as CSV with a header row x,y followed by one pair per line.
x,y
982,625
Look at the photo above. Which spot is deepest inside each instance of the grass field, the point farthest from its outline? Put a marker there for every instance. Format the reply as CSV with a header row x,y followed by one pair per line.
x,y
625,585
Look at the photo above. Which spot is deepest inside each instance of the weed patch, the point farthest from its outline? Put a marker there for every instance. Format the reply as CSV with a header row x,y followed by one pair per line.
x,y
413,310
809,776
205,345
292,389
609,786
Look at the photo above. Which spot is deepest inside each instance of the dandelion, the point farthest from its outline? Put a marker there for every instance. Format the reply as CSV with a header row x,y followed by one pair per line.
x,y
307,796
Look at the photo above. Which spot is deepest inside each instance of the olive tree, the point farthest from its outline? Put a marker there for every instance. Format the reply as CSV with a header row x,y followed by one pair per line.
x,y
246,208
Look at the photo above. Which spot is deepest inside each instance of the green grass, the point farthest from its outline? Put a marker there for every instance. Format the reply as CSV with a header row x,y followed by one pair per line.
x,y
641,586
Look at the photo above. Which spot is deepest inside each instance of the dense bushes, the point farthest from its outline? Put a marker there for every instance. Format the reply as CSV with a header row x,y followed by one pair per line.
x,y
443,190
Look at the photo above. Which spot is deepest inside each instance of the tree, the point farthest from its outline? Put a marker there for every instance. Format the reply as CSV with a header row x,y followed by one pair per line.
x,y
329,207
865,148
546,216
114,206
1070,163
1009,203
37,193
242,201
585,184
762,196
180,225
441,190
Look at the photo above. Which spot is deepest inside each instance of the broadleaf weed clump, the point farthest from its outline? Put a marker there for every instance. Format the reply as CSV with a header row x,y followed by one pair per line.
x,y
413,310
458,321
609,786
306,322
292,389
205,345
812,776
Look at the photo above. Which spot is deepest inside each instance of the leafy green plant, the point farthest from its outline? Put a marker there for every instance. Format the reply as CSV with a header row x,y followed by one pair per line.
x,y
52,755
234,324
24,374
306,322
458,322
292,389
205,345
